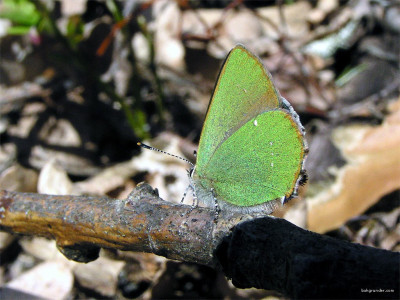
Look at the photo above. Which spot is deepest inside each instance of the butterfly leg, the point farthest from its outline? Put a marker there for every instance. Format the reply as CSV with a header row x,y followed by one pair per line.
x,y
195,199
217,209
194,204
184,194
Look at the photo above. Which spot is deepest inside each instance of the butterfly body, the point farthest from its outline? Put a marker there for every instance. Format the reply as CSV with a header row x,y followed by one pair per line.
x,y
252,146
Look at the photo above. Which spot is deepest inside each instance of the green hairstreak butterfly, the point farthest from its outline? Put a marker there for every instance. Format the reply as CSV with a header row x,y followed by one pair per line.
x,y
252,146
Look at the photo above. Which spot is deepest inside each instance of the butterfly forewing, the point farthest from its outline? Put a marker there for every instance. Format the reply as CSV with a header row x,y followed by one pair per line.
x,y
244,90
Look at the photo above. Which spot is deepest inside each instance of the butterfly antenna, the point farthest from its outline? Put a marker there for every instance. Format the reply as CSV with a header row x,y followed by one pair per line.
x,y
155,149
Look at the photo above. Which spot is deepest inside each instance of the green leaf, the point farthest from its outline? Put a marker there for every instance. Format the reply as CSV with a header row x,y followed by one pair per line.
x,y
20,12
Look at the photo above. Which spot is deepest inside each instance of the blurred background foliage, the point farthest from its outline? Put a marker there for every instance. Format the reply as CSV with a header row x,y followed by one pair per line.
x,y
81,82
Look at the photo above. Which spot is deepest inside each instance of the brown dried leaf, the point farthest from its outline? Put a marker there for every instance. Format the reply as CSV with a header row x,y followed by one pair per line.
x,y
372,171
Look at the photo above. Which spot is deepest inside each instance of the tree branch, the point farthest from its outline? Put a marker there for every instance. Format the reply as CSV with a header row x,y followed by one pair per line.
x,y
268,253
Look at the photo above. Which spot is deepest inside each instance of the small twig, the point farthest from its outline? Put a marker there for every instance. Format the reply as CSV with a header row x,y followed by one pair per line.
x,y
282,17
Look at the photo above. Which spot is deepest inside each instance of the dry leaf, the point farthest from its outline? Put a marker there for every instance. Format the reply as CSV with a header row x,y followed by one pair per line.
x,y
372,171
49,280
18,178
100,275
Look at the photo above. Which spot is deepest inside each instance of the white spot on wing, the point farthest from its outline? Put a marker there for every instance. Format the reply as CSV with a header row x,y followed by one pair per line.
x,y
255,123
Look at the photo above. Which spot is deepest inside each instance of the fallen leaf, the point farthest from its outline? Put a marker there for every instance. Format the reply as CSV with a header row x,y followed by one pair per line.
x,y
372,171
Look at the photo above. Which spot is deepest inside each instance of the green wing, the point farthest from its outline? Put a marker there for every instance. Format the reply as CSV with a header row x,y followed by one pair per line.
x,y
244,90
260,162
